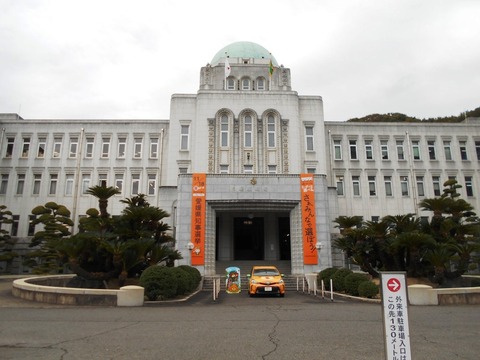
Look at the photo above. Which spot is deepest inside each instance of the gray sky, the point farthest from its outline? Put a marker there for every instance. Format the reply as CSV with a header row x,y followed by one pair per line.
x,y
124,59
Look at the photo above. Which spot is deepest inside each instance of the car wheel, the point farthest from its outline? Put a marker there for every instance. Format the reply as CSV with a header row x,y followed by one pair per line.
x,y
282,295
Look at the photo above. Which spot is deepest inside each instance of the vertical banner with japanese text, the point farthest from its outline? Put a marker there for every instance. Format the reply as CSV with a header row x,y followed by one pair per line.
x,y
198,218
309,227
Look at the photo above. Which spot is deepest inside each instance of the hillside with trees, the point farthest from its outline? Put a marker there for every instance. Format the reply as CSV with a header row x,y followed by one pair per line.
x,y
399,117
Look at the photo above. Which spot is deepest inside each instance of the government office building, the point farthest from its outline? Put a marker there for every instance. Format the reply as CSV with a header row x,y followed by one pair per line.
x,y
249,170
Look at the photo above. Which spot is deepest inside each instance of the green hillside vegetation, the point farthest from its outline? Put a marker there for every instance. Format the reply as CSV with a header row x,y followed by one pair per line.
x,y
398,117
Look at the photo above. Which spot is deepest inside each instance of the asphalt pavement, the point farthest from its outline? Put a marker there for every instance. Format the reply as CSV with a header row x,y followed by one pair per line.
x,y
298,326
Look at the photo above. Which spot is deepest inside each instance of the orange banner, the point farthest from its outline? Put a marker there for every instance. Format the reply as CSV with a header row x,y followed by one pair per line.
x,y
309,227
198,218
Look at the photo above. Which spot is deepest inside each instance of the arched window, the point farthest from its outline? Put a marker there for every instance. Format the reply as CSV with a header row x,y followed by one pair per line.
x,y
271,131
247,131
260,83
245,84
231,83
224,132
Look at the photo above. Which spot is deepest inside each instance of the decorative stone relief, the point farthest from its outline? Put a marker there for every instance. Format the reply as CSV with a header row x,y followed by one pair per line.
x,y
285,146
211,146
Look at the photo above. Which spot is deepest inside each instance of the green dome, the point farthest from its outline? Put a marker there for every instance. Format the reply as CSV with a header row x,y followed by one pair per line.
x,y
243,49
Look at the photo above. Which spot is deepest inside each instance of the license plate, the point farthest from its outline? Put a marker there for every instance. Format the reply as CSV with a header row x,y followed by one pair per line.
x,y
267,288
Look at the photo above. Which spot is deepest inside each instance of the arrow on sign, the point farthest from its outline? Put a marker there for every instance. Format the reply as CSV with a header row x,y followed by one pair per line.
x,y
393,285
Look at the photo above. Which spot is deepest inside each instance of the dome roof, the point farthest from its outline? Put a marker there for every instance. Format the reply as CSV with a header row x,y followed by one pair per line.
x,y
243,49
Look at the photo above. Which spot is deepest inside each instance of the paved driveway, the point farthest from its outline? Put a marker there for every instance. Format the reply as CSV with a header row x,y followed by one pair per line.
x,y
236,326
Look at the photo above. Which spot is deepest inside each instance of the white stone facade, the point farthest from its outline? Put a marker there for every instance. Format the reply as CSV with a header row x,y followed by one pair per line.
x,y
253,136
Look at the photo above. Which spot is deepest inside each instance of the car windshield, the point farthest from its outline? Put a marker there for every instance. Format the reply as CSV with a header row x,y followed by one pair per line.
x,y
265,272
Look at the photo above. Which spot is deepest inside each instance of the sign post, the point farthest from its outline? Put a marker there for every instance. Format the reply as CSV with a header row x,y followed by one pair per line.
x,y
395,316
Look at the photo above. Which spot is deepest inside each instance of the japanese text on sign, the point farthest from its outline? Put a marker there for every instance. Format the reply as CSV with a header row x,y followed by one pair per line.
x,y
395,316
198,219
309,226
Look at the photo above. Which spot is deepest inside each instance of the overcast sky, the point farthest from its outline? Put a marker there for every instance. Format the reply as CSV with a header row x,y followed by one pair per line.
x,y
124,59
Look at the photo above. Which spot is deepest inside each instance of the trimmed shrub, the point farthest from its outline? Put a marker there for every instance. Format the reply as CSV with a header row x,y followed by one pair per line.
x,y
352,282
160,282
368,289
194,275
325,275
339,279
184,280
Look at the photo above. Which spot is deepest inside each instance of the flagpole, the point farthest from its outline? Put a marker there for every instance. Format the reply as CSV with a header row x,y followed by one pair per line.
x,y
225,73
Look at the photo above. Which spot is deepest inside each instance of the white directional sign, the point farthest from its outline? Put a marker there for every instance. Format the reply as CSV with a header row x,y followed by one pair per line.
x,y
395,316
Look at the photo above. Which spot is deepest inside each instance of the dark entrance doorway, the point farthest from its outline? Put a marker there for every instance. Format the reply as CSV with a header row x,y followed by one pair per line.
x,y
284,238
248,238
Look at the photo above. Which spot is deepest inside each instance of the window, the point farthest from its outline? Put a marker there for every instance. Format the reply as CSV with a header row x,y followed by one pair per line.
x,y
10,147
137,147
14,229
73,147
245,84
105,147
260,83
400,151
184,137
85,183
436,185
26,146
52,187
340,186
230,84
223,169
356,185
152,184
404,185
248,132
20,184
463,150
420,187
431,150
468,185
89,146
122,147
69,184
477,149
183,170
119,182
224,133
375,219
447,149
372,187
4,184
368,150
337,149
272,169
57,147
353,149
135,184
416,150
42,146
388,185
248,169
271,131
102,180
384,149
153,148
37,182
311,170
309,137
31,225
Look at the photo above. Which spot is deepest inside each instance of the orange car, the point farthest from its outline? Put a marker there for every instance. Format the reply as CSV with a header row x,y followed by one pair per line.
x,y
265,280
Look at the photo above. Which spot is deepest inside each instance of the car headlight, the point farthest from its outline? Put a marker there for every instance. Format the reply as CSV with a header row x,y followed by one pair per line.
x,y
253,282
281,281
